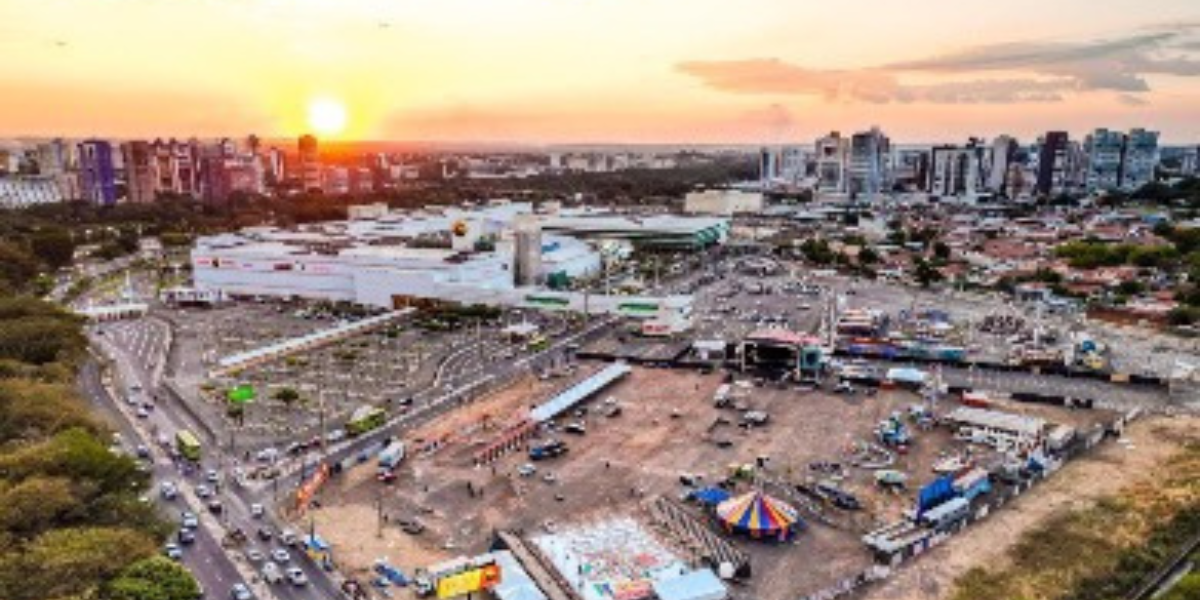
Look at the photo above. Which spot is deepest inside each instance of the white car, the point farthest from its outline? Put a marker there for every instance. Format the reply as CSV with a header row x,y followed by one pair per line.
x,y
202,491
168,490
256,510
254,555
189,520
271,573
280,556
297,577
211,476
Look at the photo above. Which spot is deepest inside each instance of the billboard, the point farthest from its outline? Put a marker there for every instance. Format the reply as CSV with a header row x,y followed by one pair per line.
x,y
470,581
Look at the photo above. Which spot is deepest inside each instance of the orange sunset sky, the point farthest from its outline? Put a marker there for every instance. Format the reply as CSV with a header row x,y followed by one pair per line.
x,y
543,71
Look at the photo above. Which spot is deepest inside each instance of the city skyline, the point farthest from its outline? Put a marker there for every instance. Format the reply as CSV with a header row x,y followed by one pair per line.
x,y
613,71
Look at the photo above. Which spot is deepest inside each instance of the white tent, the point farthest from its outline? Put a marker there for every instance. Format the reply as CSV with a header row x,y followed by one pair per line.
x,y
701,584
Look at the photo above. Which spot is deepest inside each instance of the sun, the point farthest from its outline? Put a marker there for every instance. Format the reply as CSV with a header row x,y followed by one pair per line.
x,y
327,116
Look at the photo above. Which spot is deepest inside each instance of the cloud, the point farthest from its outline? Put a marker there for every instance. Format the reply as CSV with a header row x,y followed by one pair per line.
x,y
772,76
1047,71
1132,100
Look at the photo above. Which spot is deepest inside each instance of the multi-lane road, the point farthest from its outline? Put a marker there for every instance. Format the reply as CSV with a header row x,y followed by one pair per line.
x,y
136,351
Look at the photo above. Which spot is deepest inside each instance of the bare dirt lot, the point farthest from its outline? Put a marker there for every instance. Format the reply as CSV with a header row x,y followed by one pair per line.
x,y
668,427
1113,467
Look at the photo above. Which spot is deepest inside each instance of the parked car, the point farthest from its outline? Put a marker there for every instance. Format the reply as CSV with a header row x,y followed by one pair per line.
x,y
173,551
257,510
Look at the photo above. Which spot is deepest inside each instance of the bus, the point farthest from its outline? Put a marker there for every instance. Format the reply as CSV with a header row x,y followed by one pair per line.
x,y
188,445
537,343
364,419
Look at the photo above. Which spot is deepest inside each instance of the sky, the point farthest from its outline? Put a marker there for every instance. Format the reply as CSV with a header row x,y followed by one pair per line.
x,y
617,71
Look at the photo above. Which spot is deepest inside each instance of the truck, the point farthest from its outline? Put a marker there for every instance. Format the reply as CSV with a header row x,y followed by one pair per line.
x,y
188,445
364,419
550,449
973,483
947,514
391,456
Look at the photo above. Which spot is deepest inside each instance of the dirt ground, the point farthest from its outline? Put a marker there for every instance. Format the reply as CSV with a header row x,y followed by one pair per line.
x,y
1111,468
668,427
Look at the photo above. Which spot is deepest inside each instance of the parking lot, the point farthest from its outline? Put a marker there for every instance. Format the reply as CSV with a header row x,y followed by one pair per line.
x,y
300,395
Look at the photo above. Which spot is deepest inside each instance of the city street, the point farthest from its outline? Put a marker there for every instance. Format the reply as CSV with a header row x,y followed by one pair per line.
x,y
217,568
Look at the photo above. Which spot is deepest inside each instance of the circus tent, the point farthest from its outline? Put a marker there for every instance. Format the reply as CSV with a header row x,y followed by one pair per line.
x,y
759,516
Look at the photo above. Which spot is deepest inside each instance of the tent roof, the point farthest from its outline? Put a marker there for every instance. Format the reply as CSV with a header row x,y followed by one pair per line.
x,y
701,584
756,511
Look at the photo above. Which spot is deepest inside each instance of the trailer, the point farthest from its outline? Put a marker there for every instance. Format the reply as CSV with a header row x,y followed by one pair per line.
x,y
947,514
973,483
391,456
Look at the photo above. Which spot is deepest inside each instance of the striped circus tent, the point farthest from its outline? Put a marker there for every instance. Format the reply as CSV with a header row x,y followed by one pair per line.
x,y
759,516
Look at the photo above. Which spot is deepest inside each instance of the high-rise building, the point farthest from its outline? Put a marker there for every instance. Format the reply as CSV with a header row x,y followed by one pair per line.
x,y
1105,152
1004,156
527,251
276,171
310,164
59,160
177,167
1189,161
335,180
959,171
1054,155
832,154
910,169
1141,158
869,168
768,166
139,171
791,163
97,172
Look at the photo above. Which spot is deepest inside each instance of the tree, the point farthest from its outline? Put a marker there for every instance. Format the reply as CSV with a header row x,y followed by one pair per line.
x,y
941,251
287,395
71,562
925,273
154,578
1187,588
868,256
55,247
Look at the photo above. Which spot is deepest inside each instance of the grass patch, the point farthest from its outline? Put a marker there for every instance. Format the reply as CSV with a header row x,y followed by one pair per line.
x,y
1104,550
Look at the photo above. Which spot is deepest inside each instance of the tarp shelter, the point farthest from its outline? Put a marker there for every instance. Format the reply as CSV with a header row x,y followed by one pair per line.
x,y
759,516
242,394
515,582
701,584
316,543
711,496
907,375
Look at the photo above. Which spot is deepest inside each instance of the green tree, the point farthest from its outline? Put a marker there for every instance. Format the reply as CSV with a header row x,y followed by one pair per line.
x,y
55,247
154,578
1187,588
70,562
925,273
287,395
941,251
868,256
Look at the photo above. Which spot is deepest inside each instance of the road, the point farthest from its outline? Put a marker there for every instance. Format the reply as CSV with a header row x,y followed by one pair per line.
x,y
137,350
